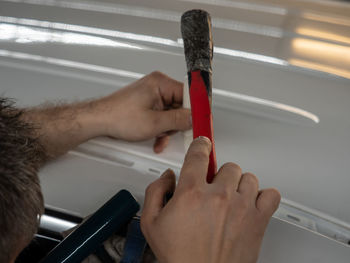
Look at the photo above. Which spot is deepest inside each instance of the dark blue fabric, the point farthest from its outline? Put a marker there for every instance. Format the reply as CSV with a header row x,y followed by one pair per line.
x,y
135,243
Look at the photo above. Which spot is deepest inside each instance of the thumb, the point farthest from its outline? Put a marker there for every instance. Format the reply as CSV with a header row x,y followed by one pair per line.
x,y
175,119
154,198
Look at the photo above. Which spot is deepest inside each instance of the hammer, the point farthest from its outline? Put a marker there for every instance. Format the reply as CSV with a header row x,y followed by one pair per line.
x,y
198,45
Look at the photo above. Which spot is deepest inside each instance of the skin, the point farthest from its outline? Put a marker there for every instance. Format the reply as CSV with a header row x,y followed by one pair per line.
x,y
220,222
231,213
147,108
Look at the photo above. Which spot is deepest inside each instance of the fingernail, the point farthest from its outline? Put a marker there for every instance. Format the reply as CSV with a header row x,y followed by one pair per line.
x,y
165,174
204,138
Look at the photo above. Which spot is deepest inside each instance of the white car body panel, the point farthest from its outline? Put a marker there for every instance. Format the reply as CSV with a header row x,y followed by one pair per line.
x,y
281,78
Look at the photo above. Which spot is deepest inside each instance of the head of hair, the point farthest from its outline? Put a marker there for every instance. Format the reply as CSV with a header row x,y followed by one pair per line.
x,y
21,200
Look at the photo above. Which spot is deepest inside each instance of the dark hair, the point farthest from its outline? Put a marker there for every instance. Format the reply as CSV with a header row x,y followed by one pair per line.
x,y
21,200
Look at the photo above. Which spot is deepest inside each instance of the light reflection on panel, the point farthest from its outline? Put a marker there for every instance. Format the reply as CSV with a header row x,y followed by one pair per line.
x,y
70,64
88,30
262,103
83,35
23,34
257,29
159,14
137,37
244,54
107,70
248,55
326,35
326,18
320,67
265,8
322,52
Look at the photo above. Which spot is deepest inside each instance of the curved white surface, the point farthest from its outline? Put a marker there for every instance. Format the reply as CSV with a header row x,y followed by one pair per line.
x,y
223,98
222,128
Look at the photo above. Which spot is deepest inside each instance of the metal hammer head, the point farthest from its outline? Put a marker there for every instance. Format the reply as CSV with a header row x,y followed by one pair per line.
x,y
197,38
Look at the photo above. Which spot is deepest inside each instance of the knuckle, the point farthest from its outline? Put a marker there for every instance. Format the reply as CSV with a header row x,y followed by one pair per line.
x,y
188,187
195,193
232,168
270,201
198,155
251,178
272,197
275,199
221,198
156,74
276,195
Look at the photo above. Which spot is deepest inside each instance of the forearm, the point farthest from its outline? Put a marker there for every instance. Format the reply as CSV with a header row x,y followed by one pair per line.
x,y
63,127
145,109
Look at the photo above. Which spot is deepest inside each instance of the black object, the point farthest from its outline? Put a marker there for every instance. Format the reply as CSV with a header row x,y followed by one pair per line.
x,y
37,249
96,229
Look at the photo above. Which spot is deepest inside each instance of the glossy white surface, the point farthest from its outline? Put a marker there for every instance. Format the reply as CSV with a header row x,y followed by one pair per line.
x,y
270,59
283,242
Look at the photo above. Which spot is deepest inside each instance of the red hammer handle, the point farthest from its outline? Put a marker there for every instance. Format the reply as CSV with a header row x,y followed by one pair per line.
x,y
202,119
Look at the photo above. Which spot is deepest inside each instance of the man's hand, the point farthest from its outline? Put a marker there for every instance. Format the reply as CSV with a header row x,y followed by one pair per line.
x,y
220,222
147,108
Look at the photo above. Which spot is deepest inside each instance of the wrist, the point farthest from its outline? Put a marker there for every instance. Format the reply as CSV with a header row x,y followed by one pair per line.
x,y
108,116
92,119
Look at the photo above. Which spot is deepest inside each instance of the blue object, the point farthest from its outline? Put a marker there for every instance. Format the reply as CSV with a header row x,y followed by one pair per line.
x,y
135,243
114,214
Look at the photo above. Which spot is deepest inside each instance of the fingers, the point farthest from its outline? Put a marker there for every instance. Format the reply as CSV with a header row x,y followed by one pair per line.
x,y
155,193
249,186
268,201
160,143
195,166
175,119
170,89
230,179
228,176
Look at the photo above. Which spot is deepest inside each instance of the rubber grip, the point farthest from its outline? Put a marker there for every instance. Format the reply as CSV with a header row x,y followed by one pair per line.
x,y
202,119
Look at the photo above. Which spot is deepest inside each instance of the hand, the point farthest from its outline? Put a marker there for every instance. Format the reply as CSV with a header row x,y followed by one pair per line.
x,y
147,108
220,222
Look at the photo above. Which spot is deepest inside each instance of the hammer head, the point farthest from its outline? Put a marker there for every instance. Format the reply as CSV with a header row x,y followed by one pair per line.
x,y
197,38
